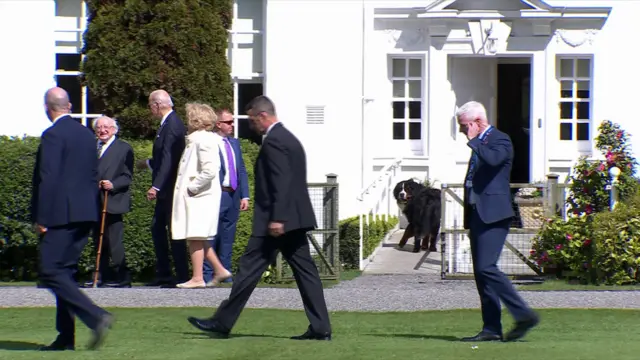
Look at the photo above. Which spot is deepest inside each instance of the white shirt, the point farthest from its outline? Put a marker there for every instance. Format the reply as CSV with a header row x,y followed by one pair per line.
x,y
106,145
269,130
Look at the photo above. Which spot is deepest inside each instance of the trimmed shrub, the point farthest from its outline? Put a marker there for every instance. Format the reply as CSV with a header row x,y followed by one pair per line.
x,y
373,234
134,47
18,246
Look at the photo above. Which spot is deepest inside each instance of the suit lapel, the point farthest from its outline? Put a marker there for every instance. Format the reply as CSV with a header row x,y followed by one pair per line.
x,y
106,161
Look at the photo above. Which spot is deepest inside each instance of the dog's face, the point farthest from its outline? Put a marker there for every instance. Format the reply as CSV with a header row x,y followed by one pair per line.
x,y
404,190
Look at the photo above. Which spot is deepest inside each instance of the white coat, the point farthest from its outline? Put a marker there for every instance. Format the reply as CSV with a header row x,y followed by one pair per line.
x,y
197,216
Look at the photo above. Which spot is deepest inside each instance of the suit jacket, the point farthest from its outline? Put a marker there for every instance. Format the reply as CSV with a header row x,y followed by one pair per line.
x,y
166,153
241,170
490,183
281,192
65,177
116,165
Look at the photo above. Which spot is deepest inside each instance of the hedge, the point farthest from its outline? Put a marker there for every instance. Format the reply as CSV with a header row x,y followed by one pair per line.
x,y
18,243
134,47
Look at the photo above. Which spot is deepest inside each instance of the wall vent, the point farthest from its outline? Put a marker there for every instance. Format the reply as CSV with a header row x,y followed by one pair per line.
x,y
315,114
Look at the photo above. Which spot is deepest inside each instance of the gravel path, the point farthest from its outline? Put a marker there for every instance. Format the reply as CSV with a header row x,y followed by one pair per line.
x,y
366,293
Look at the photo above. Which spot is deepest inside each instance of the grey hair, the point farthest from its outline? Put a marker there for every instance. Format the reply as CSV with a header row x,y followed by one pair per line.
x,y
162,98
261,104
472,110
114,122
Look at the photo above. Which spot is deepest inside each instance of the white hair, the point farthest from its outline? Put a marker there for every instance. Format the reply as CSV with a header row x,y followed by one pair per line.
x,y
472,110
114,122
162,98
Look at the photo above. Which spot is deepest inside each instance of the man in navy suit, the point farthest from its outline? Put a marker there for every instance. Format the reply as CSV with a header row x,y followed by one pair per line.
x,y
235,192
64,209
487,215
167,150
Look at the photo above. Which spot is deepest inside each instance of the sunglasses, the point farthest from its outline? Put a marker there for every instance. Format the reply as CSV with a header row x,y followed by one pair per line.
x,y
230,122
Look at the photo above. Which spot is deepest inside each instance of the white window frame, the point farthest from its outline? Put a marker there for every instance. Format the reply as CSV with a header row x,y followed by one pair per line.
x,y
416,145
242,78
84,116
583,145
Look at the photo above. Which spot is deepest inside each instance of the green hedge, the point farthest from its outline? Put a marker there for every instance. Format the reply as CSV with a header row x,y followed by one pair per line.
x,y
18,243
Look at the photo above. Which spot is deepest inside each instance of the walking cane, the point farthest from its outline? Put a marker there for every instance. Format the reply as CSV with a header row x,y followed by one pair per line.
x,y
104,215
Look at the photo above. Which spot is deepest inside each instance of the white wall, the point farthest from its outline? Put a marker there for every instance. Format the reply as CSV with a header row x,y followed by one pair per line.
x,y
27,64
313,58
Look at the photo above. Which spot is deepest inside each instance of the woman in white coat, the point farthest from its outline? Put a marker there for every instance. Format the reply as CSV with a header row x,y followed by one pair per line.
x,y
196,198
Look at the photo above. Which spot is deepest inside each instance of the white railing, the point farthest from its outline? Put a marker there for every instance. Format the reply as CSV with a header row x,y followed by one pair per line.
x,y
377,200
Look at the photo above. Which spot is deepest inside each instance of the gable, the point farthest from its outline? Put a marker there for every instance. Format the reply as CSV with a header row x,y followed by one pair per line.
x,y
499,5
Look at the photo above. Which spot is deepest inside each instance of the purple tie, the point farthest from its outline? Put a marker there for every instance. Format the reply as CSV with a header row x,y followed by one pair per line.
x,y
233,179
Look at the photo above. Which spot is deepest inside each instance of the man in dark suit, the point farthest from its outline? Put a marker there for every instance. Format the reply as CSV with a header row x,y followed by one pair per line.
x,y
487,215
235,192
282,216
167,150
115,170
64,209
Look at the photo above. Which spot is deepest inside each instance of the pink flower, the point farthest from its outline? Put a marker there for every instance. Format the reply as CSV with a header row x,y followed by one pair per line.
x,y
586,173
610,157
587,242
601,167
549,220
588,209
569,237
532,252
559,247
619,134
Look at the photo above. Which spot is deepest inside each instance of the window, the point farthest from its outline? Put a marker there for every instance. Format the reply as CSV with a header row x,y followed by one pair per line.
x,y
246,93
406,79
71,19
574,75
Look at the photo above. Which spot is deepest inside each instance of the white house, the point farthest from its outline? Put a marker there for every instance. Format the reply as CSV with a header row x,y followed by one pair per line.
x,y
366,82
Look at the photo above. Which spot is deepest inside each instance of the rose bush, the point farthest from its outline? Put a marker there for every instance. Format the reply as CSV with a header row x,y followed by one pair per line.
x,y
593,244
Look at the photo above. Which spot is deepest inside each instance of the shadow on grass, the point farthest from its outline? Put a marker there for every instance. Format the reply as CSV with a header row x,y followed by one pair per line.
x,y
419,336
192,334
19,345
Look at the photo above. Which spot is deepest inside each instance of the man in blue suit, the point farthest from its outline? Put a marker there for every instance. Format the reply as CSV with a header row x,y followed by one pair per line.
x,y
165,158
64,209
487,215
235,193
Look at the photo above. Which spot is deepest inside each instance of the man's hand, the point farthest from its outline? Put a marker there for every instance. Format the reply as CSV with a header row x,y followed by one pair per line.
x,y
276,228
244,204
151,194
473,130
39,229
142,164
106,185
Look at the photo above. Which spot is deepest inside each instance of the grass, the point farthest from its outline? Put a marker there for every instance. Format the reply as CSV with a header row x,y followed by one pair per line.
x,y
163,333
344,276
563,285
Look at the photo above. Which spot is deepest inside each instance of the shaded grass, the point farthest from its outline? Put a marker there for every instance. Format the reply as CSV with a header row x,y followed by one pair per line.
x,y
564,285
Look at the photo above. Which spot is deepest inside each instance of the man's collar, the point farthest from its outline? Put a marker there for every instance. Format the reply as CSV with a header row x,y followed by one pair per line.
x,y
164,118
58,118
484,131
110,141
271,127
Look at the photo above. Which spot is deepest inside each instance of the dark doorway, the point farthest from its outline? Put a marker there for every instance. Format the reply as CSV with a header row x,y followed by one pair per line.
x,y
514,97
246,93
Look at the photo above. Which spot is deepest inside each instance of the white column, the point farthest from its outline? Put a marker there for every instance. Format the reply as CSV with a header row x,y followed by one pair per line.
x,y
539,121
27,65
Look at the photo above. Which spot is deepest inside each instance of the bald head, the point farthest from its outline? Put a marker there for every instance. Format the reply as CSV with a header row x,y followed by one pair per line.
x,y
57,103
160,103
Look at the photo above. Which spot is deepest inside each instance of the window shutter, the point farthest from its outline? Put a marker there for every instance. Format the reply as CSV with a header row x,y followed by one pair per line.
x,y
315,114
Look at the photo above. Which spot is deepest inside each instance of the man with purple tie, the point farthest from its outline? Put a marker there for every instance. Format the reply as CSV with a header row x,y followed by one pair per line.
x,y
235,192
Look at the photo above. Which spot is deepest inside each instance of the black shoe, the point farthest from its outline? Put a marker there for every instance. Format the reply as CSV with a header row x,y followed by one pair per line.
x,y
522,328
100,332
209,325
482,336
58,345
311,335
89,284
162,283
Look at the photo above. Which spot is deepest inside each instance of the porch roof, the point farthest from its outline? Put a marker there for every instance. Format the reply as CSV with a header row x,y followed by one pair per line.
x,y
537,10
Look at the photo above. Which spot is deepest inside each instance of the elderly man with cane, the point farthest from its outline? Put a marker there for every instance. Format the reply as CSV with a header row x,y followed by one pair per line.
x,y
115,171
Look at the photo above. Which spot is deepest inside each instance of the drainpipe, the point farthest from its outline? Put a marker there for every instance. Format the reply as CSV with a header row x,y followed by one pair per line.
x,y
362,137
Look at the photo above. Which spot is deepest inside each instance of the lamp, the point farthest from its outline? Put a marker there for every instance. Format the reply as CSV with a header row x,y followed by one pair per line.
x,y
614,172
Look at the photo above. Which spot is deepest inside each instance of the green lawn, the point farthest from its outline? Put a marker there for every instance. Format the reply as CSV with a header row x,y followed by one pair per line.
x,y
163,333
563,285
344,276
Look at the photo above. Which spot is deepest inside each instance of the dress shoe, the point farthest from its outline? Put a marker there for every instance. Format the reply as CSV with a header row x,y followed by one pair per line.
x,y
522,328
161,283
482,336
209,325
58,345
100,332
311,335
